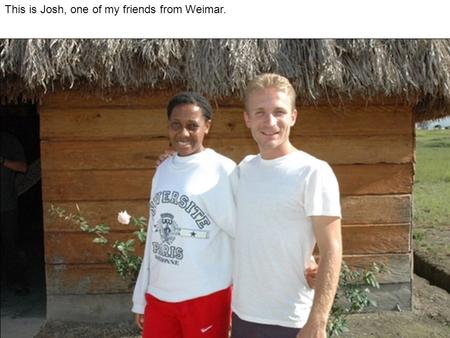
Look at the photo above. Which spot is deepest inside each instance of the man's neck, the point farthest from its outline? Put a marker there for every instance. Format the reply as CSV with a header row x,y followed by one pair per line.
x,y
271,154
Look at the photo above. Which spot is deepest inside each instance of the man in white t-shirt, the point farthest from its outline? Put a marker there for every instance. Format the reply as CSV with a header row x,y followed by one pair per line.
x,y
286,201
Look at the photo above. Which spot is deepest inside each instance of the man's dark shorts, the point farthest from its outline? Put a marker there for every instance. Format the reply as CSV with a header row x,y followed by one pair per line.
x,y
243,329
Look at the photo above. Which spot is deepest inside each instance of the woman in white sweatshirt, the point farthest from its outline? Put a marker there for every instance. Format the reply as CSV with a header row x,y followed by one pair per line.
x,y
183,289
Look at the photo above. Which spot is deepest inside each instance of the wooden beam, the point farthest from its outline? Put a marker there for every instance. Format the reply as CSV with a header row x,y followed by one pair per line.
x,y
82,279
83,99
376,179
379,238
398,267
113,122
101,278
108,185
143,153
356,120
98,308
358,149
95,212
158,98
376,209
76,247
392,297
107,307
365,209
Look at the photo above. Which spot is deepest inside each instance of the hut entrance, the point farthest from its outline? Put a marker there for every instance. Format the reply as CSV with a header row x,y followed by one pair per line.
x,y
23,269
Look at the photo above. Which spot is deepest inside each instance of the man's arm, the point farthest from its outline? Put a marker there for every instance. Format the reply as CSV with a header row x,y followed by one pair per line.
x,y
329,240
19,166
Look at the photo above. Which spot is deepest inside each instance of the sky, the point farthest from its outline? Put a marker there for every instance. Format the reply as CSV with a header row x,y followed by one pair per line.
x,y
443,122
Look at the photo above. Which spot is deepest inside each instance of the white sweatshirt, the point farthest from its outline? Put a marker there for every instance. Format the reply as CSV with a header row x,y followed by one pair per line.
x,y
188,252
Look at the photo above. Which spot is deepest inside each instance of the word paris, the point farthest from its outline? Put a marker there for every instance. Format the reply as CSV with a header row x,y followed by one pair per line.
x,y
115,10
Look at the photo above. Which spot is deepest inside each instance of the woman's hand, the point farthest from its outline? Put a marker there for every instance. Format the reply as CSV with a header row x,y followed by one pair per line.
x,y
139,320
311,273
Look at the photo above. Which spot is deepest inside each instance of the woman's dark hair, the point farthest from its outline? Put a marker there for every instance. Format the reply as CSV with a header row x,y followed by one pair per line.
x,y
190,98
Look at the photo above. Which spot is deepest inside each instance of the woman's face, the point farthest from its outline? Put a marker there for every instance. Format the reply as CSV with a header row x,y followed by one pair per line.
x,y
187,129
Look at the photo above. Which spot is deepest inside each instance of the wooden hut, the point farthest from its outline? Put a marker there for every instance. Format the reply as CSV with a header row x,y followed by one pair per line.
x,y
102,125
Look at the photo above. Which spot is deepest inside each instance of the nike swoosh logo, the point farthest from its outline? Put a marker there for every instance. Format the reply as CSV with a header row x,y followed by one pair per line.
x,y
203,330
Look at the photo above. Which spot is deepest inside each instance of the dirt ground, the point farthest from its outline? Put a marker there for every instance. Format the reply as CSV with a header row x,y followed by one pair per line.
x,y
432,254
430,318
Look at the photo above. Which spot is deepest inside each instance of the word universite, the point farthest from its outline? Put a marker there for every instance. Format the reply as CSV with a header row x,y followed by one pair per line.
x,y
183,202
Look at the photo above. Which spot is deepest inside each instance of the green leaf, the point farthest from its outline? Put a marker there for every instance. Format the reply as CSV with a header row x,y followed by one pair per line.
x,y
100,240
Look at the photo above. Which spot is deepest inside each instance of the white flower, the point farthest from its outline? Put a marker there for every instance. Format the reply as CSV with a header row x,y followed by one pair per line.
x,y
123,217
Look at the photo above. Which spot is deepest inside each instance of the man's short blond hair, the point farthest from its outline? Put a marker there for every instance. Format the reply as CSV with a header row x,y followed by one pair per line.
x,y
270,80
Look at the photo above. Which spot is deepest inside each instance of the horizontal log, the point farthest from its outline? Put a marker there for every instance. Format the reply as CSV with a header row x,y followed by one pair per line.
x,y
158,98
98,123
104,155
116,307
101,278
95,212
358,149
397,267
125,122
366,209
74,247
142,154
375,209
354,120
126,154
67,123
391,297
96,185
84,99
84,279
380,238
144,98
79,248
377,179
99,308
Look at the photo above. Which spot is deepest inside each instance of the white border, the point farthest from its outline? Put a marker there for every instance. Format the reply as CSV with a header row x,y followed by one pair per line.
x,y
242,19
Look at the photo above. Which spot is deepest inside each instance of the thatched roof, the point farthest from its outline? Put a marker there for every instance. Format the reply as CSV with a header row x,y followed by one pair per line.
x,y
417,71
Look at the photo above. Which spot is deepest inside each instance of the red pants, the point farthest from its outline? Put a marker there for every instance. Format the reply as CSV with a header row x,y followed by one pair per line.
x,y
207,316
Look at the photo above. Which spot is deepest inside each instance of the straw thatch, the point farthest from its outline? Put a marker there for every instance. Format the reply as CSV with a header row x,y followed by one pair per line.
x,y
417,71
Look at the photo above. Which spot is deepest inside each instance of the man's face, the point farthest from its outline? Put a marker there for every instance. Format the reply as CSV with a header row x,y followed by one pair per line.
x,y
270,117
187,129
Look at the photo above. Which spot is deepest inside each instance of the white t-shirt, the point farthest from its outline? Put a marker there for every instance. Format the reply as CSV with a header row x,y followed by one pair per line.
x,y
188,251
274,235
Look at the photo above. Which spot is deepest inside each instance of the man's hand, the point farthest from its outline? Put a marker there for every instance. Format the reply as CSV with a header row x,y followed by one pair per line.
x,y
164,156
18,166
139,320
312,331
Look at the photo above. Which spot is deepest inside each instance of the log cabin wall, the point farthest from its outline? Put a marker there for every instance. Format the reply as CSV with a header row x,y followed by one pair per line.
x,y
101,155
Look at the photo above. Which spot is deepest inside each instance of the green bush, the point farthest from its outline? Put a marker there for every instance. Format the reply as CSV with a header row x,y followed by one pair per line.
x,y
123,254
352,296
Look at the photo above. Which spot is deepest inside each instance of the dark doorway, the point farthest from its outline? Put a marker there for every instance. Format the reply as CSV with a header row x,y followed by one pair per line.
x,y
22,121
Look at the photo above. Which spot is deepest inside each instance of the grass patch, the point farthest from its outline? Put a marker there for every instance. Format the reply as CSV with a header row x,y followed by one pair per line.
x,y
432,179
431,234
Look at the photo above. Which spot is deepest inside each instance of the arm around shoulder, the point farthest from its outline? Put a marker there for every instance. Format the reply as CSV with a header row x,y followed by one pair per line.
x,y
18,166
